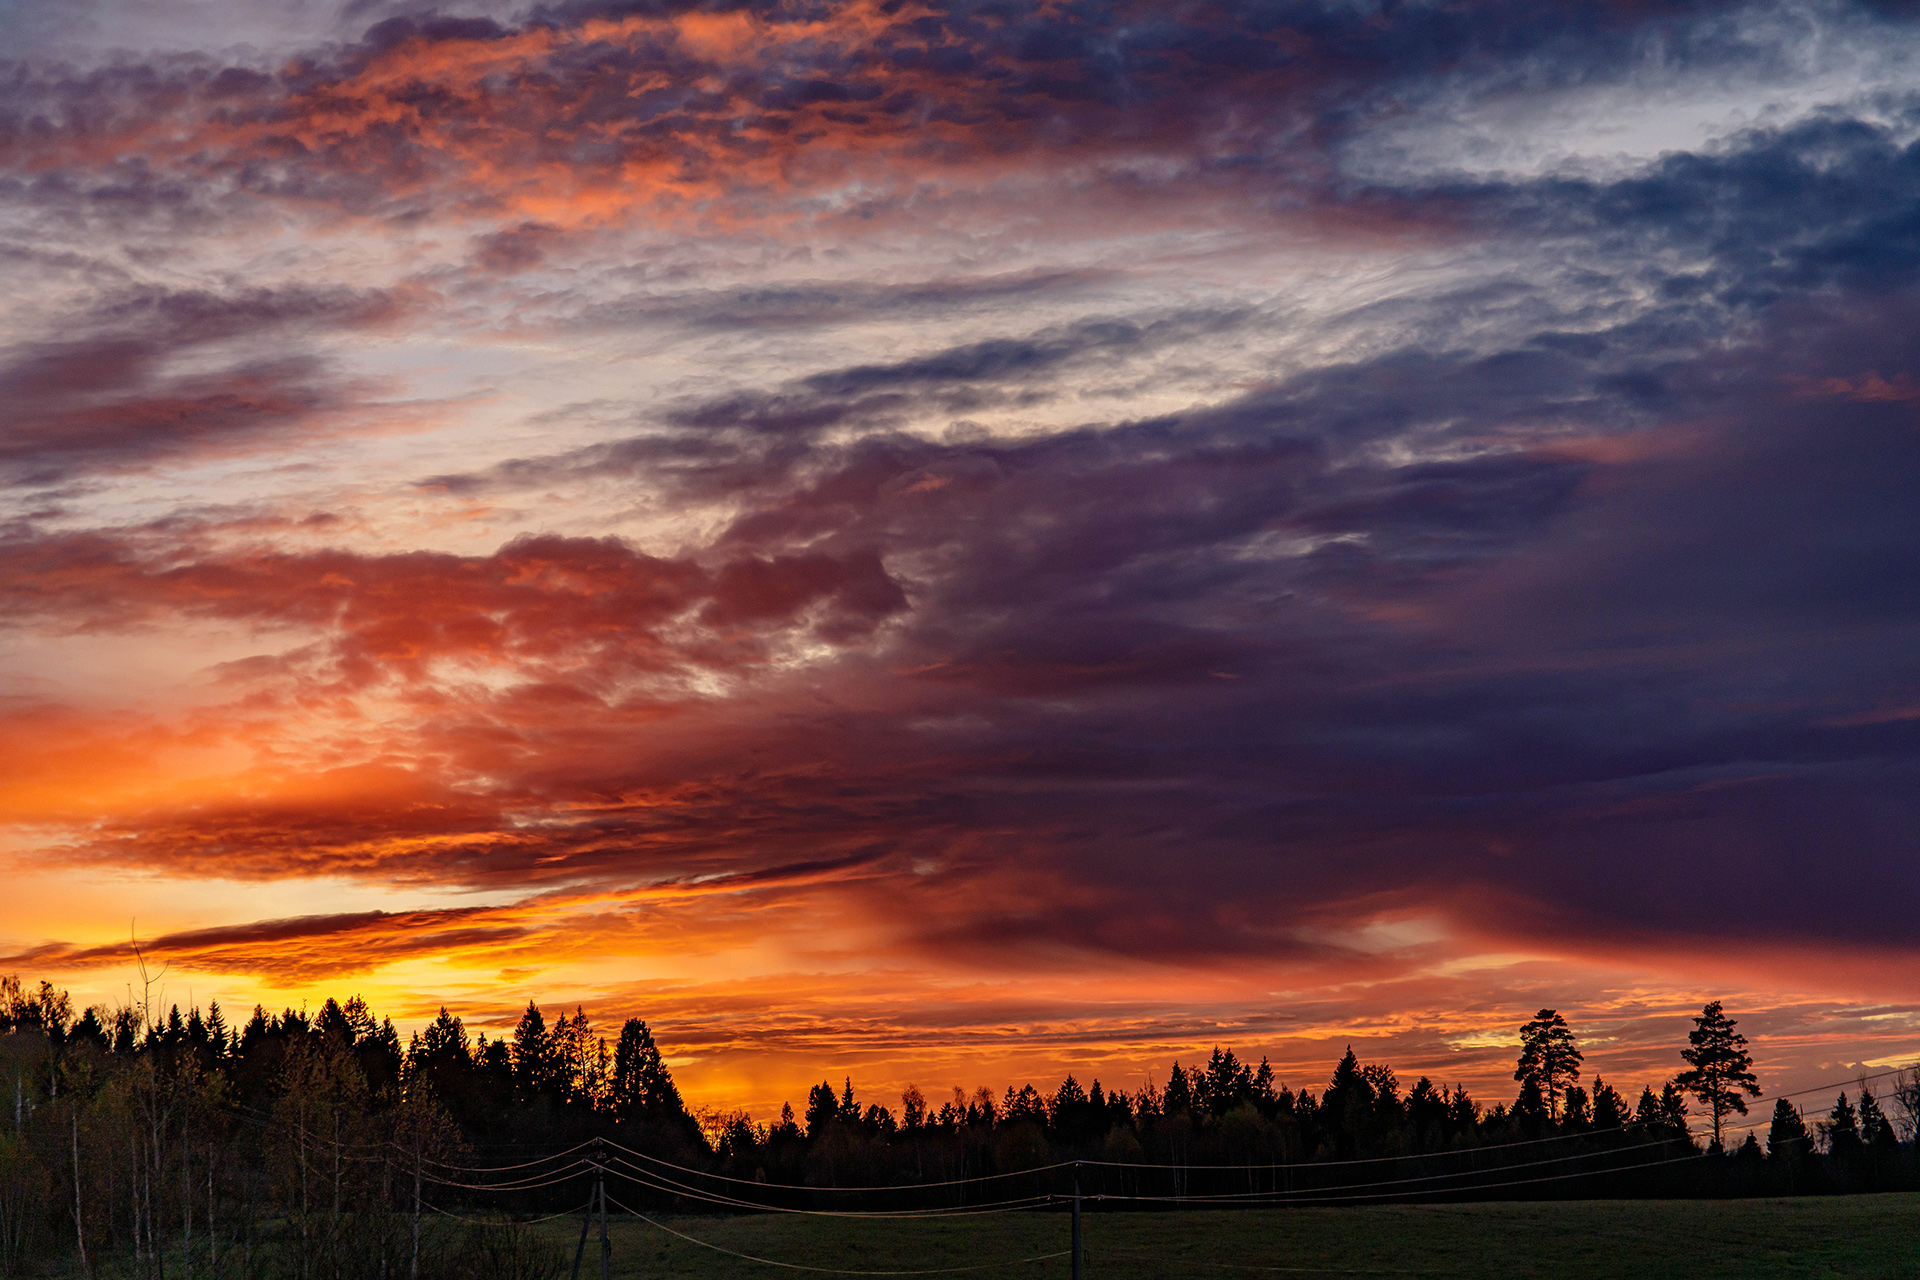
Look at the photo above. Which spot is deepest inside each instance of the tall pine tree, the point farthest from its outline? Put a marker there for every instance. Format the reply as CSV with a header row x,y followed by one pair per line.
x,y
1549,1061
1720,1069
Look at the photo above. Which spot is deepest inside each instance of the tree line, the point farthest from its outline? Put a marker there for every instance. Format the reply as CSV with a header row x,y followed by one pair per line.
x,y
304,1146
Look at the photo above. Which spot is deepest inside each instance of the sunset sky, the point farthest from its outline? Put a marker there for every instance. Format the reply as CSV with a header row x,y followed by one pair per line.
x,y
952,542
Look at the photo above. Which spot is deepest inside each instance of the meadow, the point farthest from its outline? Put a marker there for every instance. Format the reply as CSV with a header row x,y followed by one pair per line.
x,y
1855,1236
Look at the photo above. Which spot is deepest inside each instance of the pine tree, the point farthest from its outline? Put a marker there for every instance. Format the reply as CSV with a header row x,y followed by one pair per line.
x,y
1720,1068
1549,1059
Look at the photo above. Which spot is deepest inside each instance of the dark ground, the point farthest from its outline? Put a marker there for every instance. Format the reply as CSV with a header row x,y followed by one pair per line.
x,y
1852,1236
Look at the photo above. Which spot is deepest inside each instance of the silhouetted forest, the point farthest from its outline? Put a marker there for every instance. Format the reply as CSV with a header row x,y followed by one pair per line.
x,y
295,1145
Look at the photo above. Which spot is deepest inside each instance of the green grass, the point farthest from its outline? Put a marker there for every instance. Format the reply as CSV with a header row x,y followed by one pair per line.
x,y
1852,1236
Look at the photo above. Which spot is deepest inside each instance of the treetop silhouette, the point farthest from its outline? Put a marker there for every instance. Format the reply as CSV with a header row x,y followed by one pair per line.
x,y
1549,1060
1720,1069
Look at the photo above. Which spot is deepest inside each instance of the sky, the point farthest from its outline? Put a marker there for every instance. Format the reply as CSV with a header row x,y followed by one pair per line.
x,y
952,541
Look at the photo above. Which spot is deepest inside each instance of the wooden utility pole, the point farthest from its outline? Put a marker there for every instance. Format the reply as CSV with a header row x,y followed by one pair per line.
x,y
413,1271
606,1245
79,1227
580,1250
213,1240
596,1199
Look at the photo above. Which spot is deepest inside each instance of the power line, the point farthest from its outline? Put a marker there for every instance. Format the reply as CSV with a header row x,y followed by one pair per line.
x,y
951,1182
554,1178
508,1168
1517,1182
515,1222
1337,1196
1801,1093
836,1271
1329,1164
661,1183
1282,1195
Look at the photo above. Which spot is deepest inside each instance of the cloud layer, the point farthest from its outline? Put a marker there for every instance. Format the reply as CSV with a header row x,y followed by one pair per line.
x,y
1026,504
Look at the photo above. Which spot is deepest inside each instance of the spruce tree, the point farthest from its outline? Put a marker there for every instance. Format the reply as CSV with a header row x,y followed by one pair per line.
x,y
1646,1112
1463,1113
1531,1106
1579,1110
1179,1094
1842,1127
1673,1109
1426,1110
1609,1108
537,1066
1719,1067
1787,1137
1876,1130
643,1087
823,1108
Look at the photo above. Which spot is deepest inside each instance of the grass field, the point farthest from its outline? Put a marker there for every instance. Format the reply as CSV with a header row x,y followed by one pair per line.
x,y
1854,1236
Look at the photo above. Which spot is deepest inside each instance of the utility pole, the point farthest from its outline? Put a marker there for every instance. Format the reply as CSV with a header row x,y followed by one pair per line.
x,y
606,1245
413,1268
1076,1220
598,1158
79,1225
580,1250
